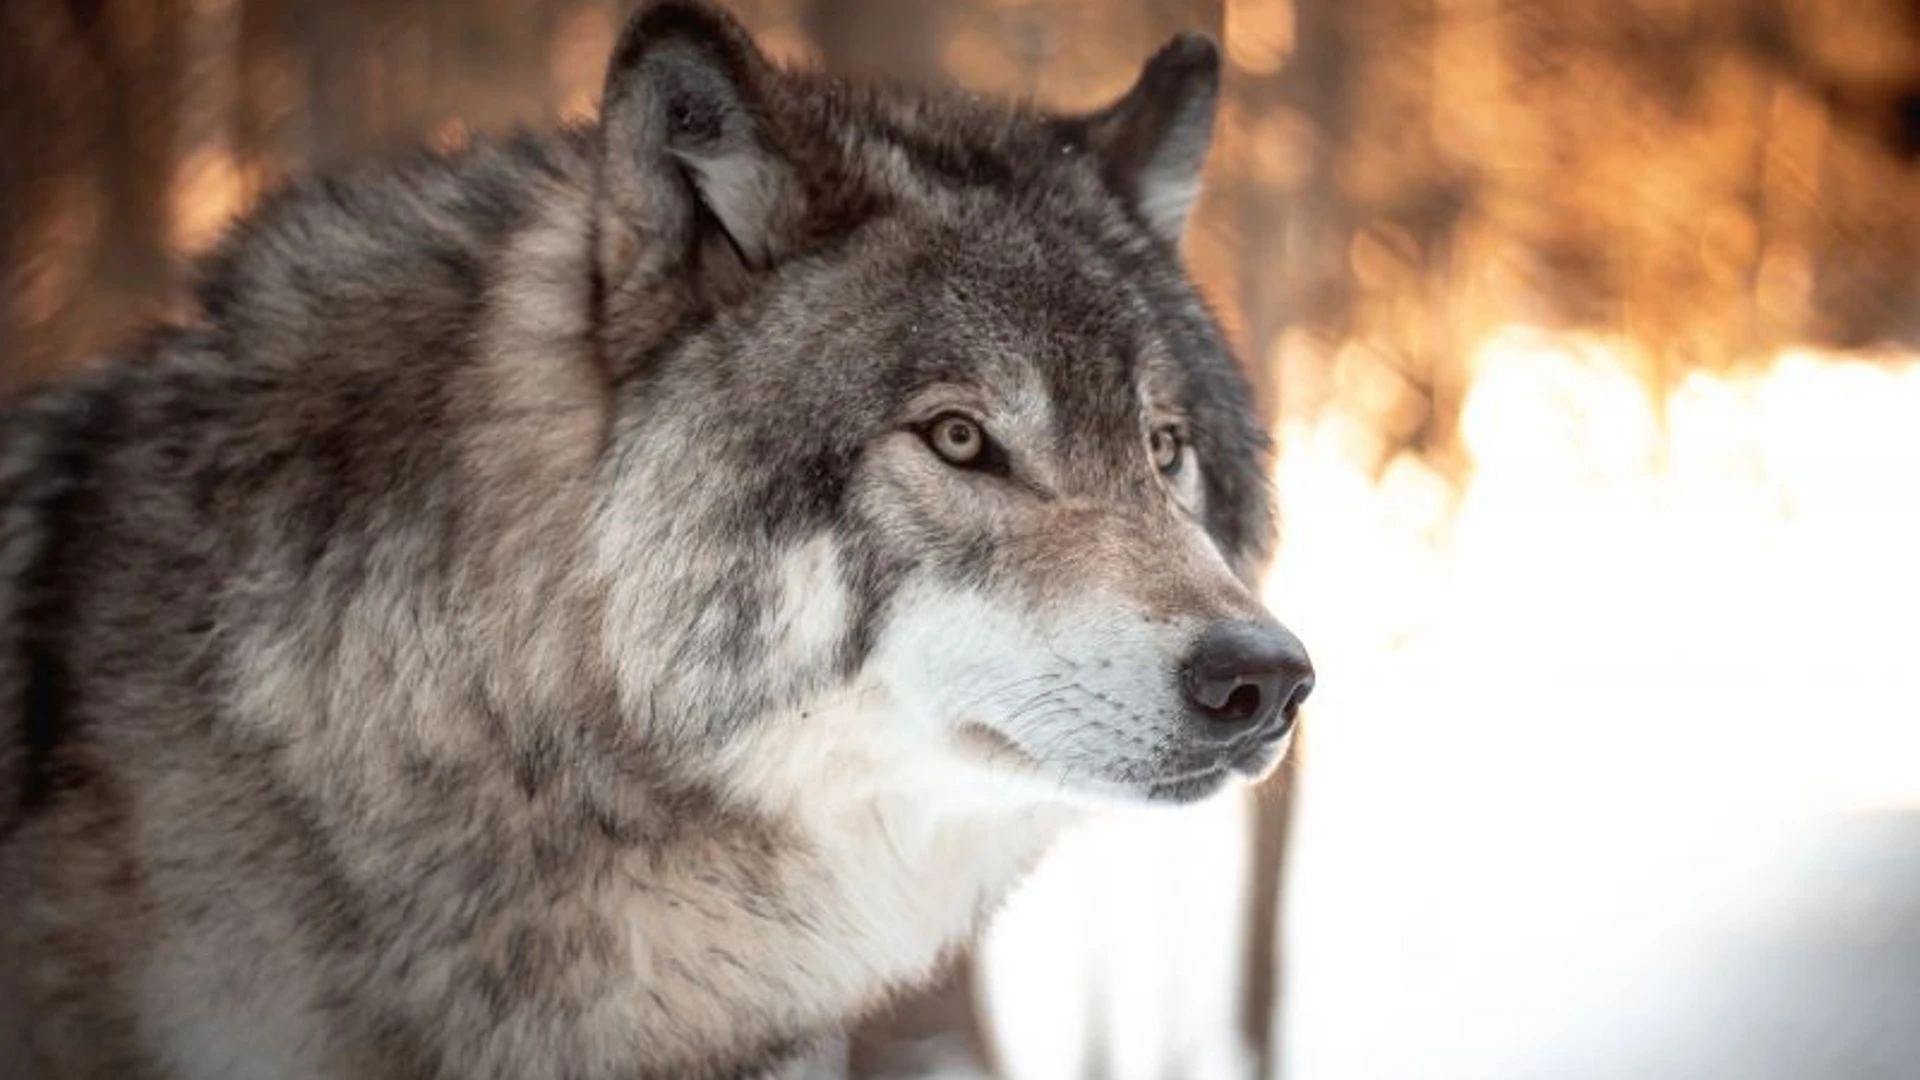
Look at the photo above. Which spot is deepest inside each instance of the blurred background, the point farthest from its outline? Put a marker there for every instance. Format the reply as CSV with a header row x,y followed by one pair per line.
x,y
1589,336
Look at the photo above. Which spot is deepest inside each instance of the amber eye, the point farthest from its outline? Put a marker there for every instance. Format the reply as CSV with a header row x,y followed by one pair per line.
x,y
957,438
1166,448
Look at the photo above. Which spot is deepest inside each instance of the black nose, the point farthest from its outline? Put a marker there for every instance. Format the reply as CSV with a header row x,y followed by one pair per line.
x,y
1249,675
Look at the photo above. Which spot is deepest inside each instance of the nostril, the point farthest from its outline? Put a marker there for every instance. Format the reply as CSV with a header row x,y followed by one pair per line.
x,y
1241,705
1297,696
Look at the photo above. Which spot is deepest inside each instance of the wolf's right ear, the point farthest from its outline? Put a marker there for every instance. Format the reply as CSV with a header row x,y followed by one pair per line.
x,y
689,168
1153,141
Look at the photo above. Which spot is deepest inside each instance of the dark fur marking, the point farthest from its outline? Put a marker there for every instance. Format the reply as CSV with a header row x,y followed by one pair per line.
x,y
46,708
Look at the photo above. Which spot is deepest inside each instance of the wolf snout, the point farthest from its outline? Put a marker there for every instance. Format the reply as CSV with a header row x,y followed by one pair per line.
x,y
1247,678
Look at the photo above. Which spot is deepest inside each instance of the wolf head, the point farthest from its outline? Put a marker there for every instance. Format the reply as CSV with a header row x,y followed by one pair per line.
x,y
927,458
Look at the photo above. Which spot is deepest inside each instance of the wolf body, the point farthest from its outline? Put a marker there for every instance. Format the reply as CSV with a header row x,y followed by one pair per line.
x,y
621,604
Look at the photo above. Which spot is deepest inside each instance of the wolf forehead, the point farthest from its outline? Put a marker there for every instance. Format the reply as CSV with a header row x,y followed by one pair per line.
x,y
998,305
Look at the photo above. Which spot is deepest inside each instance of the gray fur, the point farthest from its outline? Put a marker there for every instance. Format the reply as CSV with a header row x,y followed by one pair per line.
x,y
416,652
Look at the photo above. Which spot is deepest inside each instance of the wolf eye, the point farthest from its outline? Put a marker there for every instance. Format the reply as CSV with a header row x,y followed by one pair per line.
x,y
1167,448
957,439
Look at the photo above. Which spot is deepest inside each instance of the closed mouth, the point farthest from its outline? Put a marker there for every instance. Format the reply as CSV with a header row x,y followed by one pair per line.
x,y
1250,760
1255,760
1187,786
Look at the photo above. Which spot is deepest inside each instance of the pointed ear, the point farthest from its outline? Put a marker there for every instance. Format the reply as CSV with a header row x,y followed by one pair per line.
x,y
1153,141
689,167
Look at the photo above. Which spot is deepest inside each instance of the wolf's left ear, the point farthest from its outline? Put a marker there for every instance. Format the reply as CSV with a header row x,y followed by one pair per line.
x,y
689,165
1153,141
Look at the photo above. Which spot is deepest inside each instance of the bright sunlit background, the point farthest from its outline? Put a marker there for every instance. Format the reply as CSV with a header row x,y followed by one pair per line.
x,y
1591,335
1612,699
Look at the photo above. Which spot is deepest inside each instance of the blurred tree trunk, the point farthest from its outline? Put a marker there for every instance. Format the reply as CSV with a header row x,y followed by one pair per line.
x,y
90,126
898,39
1315,226
338,110
49,208
272,125
136,47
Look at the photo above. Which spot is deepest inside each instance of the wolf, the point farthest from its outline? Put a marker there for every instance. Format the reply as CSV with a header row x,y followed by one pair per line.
x,y
629,601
